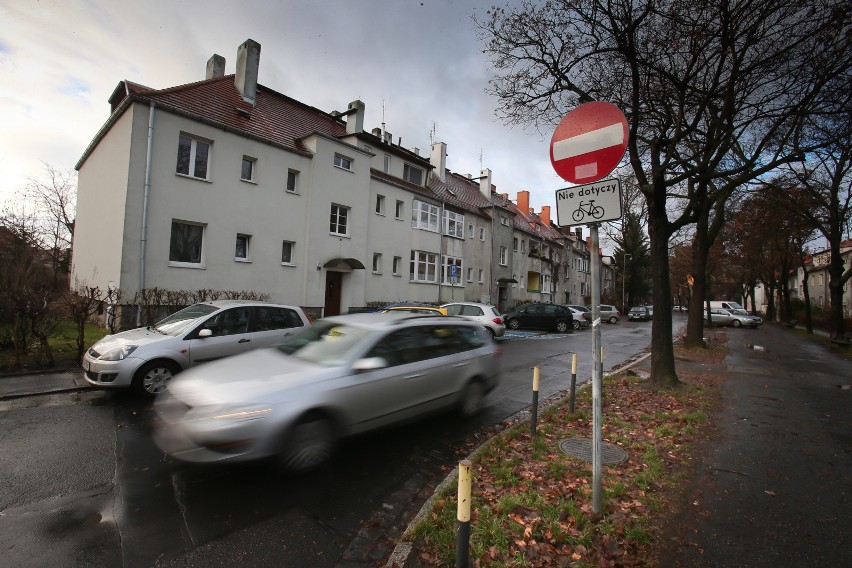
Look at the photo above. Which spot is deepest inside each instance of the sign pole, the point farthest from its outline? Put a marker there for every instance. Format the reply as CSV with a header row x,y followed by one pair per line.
x,y
597,379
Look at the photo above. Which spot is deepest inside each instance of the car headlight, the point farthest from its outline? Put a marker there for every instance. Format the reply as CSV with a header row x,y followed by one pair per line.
x,y
230,414
119,354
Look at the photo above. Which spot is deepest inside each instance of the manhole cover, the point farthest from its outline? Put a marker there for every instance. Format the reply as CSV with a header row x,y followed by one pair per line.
x,y
582,448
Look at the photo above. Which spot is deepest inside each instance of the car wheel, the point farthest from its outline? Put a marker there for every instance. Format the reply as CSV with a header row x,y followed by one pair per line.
x,y
514,324
153,378
472,399
308,444
575,324
736,323
562,326
491,332
613,319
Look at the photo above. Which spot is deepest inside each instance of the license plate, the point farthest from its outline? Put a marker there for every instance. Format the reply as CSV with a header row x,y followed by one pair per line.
x,y
85,365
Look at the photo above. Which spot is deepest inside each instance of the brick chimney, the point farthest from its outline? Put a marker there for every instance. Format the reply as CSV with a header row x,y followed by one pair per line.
x,y
248,63
215,67
438,159
524,200
545,215
355,118
485,183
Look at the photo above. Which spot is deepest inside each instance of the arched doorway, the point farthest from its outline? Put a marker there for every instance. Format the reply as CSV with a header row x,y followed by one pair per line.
x,y
336,269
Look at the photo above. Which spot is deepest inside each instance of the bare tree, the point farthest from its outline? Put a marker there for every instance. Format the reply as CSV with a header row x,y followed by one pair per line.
x,y
714,93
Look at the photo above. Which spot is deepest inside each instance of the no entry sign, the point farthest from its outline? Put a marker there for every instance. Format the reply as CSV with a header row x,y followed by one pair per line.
x,y
589,142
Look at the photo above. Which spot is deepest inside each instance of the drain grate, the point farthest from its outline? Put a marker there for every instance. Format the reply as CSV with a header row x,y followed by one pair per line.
x,y
582,448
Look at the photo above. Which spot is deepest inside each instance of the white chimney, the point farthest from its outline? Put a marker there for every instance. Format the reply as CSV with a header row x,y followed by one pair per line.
x,y
485,183
248,63
438,159
215,67
355,118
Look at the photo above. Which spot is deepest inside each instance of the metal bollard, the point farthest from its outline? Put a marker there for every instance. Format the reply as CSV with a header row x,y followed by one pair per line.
x,y
534,421
573,383
463,516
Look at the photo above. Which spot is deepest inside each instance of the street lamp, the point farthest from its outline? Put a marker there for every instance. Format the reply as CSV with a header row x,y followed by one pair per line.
x,y
623,280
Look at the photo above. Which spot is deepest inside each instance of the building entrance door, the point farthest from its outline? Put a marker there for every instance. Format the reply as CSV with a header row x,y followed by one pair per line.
x,y
333,287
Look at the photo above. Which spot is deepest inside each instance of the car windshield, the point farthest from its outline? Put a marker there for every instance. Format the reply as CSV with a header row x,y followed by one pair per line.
x,y
739,312
180,321
326,343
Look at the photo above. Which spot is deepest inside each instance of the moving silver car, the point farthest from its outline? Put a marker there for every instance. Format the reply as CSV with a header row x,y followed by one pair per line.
x,y
735,318
341,376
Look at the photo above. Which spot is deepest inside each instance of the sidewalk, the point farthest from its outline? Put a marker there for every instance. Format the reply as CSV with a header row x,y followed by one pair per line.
x,y
18,386
773,487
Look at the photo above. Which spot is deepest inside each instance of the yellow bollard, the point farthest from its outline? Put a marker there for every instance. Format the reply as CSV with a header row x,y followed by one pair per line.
x,y
573,382
463,516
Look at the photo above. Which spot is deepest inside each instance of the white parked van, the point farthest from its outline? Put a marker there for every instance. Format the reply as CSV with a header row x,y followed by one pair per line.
x,y
725,305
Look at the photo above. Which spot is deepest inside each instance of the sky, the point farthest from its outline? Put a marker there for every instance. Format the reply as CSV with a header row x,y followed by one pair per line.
x,y
416,64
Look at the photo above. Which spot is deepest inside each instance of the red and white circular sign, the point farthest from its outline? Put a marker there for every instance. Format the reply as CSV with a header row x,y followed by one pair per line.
x,y
589,142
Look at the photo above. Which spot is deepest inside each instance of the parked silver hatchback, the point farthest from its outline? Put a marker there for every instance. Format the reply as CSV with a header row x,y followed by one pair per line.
x,y
146,359
485,314
343,375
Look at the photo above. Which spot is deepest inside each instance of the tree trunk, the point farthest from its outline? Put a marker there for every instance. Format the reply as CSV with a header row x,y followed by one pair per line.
x,y
663,373
835,290
700,253
809,324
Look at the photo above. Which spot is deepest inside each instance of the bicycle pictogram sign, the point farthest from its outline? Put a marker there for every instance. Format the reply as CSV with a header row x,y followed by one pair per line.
x,y
592,210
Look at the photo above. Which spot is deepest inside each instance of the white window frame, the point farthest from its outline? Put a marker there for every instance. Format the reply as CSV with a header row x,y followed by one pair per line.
x,y
454,224
482,233
504,220
423,267
192,160
342,162
380,205
292,247
252,162
377,263
481,276
407,174
292,175
445,269
397,264
421,209
247,239
503,255
201,252
337,212
470,274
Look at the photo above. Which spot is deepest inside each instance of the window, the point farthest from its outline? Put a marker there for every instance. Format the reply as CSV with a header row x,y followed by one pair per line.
x,y
248,169
504,221
454,224
515,244
470,274
451,271
397,264
412,174
424,266
186,243
241,251
470,232
287,252
502,256
481,276
523,245
380,205
424,216
387,163
192,157
292,181
339,220
343,162
481,233
377,263
272,318
400,209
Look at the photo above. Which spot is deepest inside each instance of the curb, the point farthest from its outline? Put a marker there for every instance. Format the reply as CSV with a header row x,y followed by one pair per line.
x,y
39,393
402,551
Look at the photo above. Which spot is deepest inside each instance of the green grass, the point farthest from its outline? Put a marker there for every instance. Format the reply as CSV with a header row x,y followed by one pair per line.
x,y
63,343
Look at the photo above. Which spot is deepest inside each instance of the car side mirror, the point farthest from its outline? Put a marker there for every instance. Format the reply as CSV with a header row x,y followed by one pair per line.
x,y
369,364
205,333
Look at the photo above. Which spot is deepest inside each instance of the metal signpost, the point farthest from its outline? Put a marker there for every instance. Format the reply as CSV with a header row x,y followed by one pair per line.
x,y
586,147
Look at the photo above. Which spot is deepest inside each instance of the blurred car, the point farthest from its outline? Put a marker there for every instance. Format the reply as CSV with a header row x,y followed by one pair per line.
x,y
680,308
587,313
341,376
735,318
580,320
147,358
485,314
609,313
415,309
540,316
639,313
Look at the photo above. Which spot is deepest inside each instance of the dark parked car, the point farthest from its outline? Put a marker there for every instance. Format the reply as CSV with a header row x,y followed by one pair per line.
x,y
639,313
540,316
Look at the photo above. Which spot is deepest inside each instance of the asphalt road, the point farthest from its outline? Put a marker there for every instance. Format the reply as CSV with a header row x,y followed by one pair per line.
x,y
84,485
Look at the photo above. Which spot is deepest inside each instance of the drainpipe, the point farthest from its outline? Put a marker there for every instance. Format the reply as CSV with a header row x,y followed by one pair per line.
x,y
143,242
441,255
